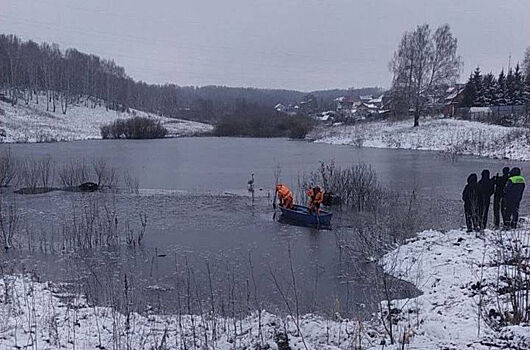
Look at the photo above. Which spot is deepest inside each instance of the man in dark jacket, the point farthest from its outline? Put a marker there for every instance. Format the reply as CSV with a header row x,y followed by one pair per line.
x,y
498,202
485,190
513,193
470,196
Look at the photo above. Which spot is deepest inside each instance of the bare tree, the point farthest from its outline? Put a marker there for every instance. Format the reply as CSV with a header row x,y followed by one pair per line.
x,y
423,63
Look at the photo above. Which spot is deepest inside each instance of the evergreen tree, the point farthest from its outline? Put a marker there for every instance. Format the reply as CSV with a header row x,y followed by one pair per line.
x,y
500,95
489,86
510,88
469,94
477,81
519,86
527,90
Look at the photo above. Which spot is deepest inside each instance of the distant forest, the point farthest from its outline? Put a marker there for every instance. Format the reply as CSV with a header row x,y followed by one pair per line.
x,y
28,69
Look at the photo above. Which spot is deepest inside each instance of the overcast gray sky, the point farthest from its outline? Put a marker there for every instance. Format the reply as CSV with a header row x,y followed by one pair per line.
x,y
293,44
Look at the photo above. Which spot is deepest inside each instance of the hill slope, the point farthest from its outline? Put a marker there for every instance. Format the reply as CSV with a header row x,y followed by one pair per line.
x,y
32,123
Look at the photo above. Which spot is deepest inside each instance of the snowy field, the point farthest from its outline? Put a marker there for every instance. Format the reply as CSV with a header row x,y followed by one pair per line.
x,y
445,266
456,137
32,123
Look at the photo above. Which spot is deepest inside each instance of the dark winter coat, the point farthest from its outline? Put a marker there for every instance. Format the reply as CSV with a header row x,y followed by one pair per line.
x,y
513,192
500,183
486,186
470,195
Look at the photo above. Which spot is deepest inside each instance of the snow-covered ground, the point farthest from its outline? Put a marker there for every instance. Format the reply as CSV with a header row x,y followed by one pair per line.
x,y
434,134
457,272
34,315
32,123
445,266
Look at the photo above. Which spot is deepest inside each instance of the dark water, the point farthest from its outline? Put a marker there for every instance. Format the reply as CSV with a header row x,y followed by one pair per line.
x,y
224,164
193,192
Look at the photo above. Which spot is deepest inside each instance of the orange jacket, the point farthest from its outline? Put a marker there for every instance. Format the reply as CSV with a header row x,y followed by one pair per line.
x,y
283,191
315,196
285,195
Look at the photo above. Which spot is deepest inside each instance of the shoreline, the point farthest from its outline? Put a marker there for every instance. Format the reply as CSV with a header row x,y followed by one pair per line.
x,y
451,137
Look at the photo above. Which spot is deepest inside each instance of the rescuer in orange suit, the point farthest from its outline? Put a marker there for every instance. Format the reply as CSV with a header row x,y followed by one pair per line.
x,y
316,196
285,196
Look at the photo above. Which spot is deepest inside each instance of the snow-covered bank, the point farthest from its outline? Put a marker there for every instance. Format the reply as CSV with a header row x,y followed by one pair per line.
x,y
460,275
32,123
434,134
38,315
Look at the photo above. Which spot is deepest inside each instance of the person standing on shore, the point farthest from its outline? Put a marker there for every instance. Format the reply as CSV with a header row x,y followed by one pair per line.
x,y
513,193
498,196
485,190
471,199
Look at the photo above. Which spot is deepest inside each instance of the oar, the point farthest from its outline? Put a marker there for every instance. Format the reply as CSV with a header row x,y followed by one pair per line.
x,y
274,205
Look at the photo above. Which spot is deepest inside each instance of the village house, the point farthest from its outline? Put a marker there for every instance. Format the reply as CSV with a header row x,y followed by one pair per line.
x,y
452,100
365,98
377,101
345,103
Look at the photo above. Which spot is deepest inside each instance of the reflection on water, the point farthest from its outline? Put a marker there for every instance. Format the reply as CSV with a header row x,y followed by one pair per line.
x,y
203,228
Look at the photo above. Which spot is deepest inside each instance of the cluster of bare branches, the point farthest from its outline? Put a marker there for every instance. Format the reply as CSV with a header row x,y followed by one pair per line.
x,y
43,173
376,208
74,173
9,223
505,300
131,182
36,173
8,168
78,171
357,185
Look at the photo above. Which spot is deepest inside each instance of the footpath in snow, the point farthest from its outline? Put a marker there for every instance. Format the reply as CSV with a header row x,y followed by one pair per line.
x,y
32,123
453,136
459,274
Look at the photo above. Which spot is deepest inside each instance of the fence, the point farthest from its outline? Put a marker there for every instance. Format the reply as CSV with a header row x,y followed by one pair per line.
x,y
516,115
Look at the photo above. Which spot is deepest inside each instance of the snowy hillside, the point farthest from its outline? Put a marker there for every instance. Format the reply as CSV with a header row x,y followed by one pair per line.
x,y
32,123
446,135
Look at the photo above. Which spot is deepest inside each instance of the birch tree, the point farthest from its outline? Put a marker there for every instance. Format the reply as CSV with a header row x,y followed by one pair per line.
x,y
423,62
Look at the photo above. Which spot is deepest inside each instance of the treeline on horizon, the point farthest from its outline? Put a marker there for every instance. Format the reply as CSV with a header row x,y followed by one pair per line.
x,y
28,69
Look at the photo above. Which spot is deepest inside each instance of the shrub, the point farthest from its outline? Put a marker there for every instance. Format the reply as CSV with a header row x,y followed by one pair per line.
x,y
357,185
299,129
134,128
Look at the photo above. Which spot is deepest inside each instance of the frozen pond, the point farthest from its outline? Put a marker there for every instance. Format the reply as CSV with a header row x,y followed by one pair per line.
x,y
193,192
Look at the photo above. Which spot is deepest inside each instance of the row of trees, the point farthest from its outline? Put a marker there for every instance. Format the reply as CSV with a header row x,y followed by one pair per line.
x,y
28,70
506,90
